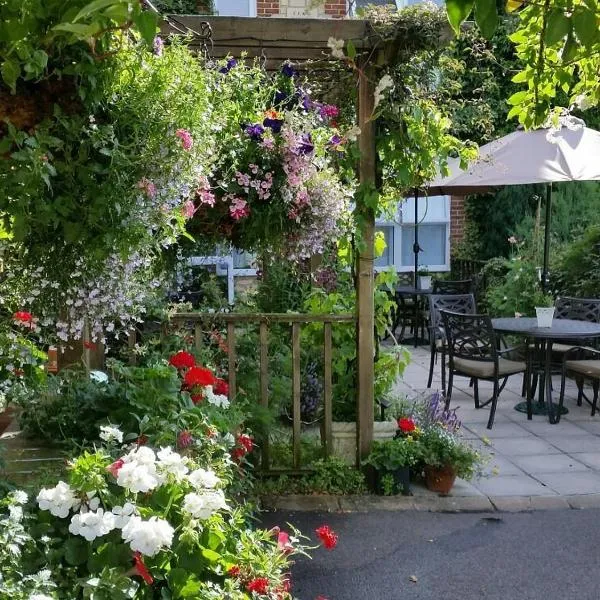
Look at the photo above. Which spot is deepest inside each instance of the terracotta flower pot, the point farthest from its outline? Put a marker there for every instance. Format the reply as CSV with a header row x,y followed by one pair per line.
x,y
439,479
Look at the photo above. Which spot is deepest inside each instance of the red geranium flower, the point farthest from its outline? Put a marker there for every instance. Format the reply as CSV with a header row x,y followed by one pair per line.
x,y
142,440
185,439
406,425
22,316
182,360
221,387
245,441
197,398
260,585
140,568
327,536
90,346
113,469
198,376
234,571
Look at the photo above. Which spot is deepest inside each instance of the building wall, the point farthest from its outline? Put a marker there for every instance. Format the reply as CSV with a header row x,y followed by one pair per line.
x,y
457,219
335,9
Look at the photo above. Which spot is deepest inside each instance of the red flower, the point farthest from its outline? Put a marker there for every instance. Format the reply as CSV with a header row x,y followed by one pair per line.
x,y
185,439
327,536
198,376
245,441
90,346
234,571
182,360
237,454
406,425
319,597
221,387
113,469
140,568
284,544
197,398
23,316
260,585
19,372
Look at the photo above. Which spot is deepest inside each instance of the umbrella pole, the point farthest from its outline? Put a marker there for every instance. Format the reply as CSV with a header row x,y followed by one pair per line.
x,y
545,273
416,242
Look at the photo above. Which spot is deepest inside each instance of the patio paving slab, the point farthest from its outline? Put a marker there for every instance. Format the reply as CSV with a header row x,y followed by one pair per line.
x,y
556,463
500,465
591,459
544,428
591,426
572,483
524,446
513,485
508,429
571,443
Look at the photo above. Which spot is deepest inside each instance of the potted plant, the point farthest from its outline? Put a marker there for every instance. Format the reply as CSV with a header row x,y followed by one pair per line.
x,y
445,456
544,310
424,278
393,459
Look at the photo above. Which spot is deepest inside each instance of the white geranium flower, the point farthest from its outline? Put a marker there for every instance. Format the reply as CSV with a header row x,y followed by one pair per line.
x,y
336,46
58,500
123,514
172,463
40,597
92,524
204,504
384,83
138,477
203,479
215,399
19,497
108,433
15,513
98,376
353,133
148,537
141,455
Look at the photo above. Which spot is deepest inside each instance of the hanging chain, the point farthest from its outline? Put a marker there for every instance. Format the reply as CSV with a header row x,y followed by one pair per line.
x,y
205,36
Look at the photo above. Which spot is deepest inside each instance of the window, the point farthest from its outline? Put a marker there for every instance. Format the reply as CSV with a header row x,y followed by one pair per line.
x,y
235,8
434,235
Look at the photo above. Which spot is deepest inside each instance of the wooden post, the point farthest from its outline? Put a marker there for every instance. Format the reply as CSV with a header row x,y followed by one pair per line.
x,y
365,277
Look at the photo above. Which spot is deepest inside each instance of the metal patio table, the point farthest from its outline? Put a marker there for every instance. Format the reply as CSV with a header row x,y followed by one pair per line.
x,y
543,338
403,291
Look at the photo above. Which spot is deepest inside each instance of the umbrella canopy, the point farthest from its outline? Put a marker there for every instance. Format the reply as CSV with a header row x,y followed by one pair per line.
x,y
571,153
522,157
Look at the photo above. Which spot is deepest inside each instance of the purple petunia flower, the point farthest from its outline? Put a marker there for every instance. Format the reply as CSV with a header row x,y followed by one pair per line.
x,y
307,103
273,124
232,62
255,131
157,46
305,145
280,97
288,70
335,140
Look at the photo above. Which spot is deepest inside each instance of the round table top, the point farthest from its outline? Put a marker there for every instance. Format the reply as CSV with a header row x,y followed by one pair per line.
x,y
412,290
561,328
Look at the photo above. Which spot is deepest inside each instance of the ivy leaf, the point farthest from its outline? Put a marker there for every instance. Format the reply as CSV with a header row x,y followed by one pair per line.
x,y
558,26
513,5
380,244
586,28
10,73
147,24
517,98
211,555
570,50
458,11
93,7
350,50
486,17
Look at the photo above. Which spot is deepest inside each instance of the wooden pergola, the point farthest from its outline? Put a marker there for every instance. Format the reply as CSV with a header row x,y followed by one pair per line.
x,y
299,40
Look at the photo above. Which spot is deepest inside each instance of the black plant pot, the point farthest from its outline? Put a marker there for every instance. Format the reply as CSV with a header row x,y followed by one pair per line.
x,y
401,479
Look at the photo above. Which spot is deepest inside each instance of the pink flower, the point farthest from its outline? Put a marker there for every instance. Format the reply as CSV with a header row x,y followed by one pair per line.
x,y
283,542
268,143
188,209
186,138
206,197
239,209
147,187
113,469
329,111
185,439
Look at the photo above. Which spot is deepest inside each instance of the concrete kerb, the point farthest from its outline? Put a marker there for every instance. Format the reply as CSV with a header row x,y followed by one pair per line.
x,y
432,503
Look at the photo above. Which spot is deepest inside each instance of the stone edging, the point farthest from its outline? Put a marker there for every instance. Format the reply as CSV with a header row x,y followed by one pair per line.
x,y
366,503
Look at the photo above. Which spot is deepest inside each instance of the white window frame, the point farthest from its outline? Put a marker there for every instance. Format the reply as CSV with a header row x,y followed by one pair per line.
x,y
252,4
397,232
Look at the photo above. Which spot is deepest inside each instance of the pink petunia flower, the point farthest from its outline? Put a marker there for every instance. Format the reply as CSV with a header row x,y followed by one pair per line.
x,y
239,209
186,138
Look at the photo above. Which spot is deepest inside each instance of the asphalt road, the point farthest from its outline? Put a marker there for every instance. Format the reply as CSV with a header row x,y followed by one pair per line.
x,y
546,555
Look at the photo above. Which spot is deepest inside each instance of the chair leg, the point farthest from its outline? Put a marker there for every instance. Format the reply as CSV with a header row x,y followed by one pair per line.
x,y
534,382
431,364
579,382
493,406
561,398
595,400
449,393
443,371
476,392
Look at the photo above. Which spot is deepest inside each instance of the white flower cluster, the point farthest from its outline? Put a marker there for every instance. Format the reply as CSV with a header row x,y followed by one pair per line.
x,y
203,504
172,463
108,433
148,537
219,400
139,472
336,46
59,500
92,524
203,479
384,83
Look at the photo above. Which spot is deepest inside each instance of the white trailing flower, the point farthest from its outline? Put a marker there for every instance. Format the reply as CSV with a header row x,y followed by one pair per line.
x,y
148,537
203,505
384,83
40,597
108,433
19,497
15,513
122,514
219,400
336,46
138,473
92,524
59,500
203,479
172,463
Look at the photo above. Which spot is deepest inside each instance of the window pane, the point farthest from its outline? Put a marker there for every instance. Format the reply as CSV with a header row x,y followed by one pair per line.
x,y
243,260
430,209
233,8
387,258
432,239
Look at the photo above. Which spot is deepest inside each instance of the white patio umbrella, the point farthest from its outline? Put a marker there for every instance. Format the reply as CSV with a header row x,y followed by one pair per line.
x,y
541,156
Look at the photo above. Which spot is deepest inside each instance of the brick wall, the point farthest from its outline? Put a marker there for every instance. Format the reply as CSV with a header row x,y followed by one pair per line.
x,y
457,219
336,8
266,8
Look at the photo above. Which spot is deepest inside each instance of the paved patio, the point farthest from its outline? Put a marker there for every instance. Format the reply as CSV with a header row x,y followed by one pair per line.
x,y
527,459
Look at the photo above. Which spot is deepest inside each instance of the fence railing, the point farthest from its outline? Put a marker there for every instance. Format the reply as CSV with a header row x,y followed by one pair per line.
x,y
195,322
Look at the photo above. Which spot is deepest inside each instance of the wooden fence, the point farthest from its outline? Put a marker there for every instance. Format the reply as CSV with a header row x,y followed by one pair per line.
x,y
195,322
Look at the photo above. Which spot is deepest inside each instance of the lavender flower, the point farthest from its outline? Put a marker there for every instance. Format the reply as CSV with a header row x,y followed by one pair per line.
x,y
157,46
255,131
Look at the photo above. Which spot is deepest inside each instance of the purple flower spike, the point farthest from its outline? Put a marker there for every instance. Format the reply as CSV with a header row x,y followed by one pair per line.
x,y
255,131
157,46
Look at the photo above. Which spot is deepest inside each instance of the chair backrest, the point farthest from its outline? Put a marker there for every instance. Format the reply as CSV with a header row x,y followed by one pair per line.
x,y
458,303
579,309
461,286
469,336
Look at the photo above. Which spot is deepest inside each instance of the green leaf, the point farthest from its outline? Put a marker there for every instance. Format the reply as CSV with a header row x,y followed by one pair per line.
x,y
586,27
570,50
380,244
10,73
80,30
458,11
350,50
211,555
517,98
558,26
486,17
93,7
76,551
520,77
513,5
147,24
